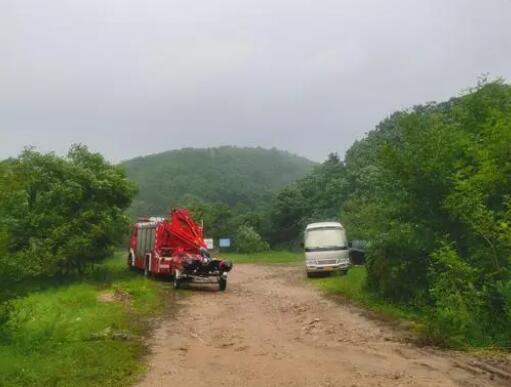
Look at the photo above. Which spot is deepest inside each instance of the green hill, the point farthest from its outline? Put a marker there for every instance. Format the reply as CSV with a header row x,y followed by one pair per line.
x,y
230,175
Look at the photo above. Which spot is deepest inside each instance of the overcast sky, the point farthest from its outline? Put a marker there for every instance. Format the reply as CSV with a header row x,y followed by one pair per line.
x,y
133,77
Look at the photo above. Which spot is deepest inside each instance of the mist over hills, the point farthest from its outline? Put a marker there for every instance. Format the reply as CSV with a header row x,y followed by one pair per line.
x,y
236,176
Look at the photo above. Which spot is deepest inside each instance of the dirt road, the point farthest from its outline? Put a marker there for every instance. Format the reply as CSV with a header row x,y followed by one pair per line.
x,y
271,329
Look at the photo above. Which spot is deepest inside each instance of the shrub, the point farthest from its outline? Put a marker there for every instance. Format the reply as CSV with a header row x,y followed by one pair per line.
x,y
249,241
397,262
458,314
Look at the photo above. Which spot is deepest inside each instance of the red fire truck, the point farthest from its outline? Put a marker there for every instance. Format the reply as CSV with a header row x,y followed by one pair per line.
x,y
175,247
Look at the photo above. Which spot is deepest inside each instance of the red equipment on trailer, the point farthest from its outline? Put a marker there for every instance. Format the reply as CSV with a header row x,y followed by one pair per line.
x,y
175,247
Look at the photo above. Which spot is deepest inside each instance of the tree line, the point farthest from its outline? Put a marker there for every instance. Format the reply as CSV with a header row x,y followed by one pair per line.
x,y
233,176
430,189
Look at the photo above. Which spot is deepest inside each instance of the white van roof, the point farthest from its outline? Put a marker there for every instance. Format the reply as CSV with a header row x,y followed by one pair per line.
x,y
323,225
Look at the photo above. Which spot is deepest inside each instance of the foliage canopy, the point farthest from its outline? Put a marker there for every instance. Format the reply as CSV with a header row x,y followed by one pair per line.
x,y
229,175
430,188
59,213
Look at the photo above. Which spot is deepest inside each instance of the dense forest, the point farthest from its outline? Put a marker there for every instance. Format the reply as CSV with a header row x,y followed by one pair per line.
x,y
232,176
430,189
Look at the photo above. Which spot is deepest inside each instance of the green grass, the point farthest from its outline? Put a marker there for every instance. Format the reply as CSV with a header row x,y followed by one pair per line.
x,y
419,320
352,286
62,335
265,257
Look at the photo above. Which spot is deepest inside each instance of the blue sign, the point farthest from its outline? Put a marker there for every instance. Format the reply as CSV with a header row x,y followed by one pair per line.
x,y
224,242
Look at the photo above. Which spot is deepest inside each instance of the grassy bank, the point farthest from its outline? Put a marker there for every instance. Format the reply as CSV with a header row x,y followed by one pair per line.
x,y
85,332
265,257
352,287
421,320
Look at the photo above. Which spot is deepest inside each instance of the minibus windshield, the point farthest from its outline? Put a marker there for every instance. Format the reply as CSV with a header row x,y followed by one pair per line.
x,y
325,238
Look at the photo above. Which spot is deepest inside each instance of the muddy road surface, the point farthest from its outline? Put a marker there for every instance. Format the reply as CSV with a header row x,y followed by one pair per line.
x,y
270,328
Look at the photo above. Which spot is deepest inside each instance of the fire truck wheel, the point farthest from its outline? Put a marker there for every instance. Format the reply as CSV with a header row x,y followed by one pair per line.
x,y
222,284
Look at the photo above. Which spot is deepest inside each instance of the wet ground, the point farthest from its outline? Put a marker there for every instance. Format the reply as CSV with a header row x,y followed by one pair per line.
x,y
272,329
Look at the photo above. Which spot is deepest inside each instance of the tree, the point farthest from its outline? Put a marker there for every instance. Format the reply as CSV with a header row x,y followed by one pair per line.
x,y
216,217
229,175
430,189
247,240
62,213
437,210
316,197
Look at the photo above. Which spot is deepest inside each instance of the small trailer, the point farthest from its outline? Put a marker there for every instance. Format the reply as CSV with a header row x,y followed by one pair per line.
x,y
175,247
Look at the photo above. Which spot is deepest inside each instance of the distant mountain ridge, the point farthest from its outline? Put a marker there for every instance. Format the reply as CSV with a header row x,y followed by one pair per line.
x,y
227,174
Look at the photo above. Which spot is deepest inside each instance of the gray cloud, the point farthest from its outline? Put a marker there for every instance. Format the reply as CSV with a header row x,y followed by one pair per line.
x,y
134,77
